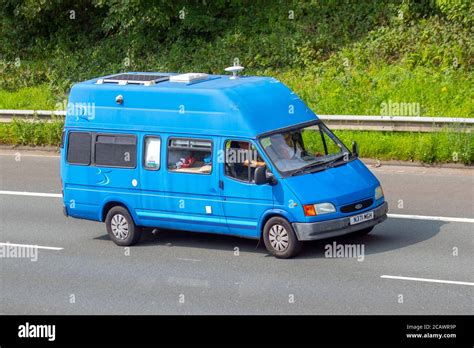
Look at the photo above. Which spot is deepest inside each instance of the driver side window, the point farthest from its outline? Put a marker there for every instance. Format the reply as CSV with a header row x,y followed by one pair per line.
x,y
241,160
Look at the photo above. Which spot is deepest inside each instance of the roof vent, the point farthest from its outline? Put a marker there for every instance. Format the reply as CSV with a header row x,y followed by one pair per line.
x,y
136,79
234,70
188,78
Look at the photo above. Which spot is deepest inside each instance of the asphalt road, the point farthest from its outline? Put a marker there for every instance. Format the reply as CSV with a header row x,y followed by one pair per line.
x,y
173,272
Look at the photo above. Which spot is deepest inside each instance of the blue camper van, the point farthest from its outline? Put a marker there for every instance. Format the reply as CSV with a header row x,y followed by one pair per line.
x,y
226,154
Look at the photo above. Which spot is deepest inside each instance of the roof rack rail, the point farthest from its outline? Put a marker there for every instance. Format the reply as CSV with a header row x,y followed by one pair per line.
x,y
136,79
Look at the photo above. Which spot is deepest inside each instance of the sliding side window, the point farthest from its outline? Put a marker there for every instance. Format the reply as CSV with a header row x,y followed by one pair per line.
x,y
190,156
113,150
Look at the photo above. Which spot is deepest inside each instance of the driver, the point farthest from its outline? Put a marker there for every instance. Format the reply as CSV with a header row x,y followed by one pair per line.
x,y
288,156
258,162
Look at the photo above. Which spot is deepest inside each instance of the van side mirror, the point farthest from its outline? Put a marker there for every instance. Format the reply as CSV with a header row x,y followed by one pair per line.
x,y
355,149
263,176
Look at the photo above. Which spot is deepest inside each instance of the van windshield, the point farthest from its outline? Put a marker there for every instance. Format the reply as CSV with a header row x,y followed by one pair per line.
x,y
304,150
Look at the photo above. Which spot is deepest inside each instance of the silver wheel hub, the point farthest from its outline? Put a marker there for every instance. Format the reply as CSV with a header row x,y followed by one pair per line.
x,y
279,238
119,226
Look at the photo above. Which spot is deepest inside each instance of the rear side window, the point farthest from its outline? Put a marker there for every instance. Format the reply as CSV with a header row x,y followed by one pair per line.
x,y
151,158
190,156
79,148
116,150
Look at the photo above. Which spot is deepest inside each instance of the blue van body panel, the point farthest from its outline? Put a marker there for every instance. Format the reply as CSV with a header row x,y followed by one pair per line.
x,y
244,204
180,200
340,186
87,189
218,109
244,107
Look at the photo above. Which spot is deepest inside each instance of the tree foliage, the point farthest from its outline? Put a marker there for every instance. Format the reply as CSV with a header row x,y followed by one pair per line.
x,y
58,42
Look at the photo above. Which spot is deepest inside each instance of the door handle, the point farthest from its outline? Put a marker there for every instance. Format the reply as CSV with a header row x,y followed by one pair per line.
x,y
221,184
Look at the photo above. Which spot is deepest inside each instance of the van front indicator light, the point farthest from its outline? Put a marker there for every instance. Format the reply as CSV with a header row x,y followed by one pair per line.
x,y
378,192
324,208
309,210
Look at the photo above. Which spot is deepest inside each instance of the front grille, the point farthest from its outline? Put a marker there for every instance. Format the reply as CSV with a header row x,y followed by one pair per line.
x,y
360,205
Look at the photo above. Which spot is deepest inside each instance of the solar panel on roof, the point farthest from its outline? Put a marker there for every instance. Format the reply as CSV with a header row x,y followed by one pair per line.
x,y
139,79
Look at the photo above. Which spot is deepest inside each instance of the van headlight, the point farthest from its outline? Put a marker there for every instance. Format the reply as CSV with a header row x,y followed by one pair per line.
x,y
324,208
318,209
378,192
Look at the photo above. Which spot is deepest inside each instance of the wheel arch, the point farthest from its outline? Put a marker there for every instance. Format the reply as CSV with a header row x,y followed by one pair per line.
x,y
273,213
114,203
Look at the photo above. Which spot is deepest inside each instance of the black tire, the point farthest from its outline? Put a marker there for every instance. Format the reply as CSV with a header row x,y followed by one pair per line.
x,y
278,247
117,219
363,232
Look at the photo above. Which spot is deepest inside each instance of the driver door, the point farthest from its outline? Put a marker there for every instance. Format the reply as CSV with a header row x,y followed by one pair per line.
x,y
244,202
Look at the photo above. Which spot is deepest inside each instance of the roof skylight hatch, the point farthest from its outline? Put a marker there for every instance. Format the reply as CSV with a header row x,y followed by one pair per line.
x,y
189,77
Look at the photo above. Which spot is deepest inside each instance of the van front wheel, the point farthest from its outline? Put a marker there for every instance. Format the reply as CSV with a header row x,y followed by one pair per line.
x,y
280,238
121,228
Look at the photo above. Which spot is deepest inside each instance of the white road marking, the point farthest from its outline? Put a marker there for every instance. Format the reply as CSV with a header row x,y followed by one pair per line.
x,y
427,280
192,282
34,194
31,246
184,259
28,155
434,218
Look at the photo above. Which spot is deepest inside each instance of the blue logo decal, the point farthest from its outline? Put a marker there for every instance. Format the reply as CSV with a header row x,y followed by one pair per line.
x,y
104,179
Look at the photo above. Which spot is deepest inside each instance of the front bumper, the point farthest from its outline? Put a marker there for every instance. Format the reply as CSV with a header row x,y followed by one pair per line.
x,y
337,227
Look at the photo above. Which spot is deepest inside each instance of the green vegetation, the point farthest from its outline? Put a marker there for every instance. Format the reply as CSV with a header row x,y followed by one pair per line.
x,y
28,98
340,56
21,132
439,147
366,91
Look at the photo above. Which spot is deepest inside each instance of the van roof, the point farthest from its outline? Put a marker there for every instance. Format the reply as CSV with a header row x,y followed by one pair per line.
x,y
212,105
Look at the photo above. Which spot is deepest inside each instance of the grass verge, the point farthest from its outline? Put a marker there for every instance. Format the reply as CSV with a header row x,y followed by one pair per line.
x,y
440,147
28,98
21,132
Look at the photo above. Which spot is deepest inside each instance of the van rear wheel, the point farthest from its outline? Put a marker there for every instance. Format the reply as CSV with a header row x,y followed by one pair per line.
x,y
121,227
280,238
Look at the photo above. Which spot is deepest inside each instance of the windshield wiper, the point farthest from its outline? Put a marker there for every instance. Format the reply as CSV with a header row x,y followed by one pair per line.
x,y
315,166
305,169
326,162
330,163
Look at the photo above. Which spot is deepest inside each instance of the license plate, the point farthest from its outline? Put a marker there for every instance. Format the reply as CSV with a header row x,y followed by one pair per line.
x,y
357,219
